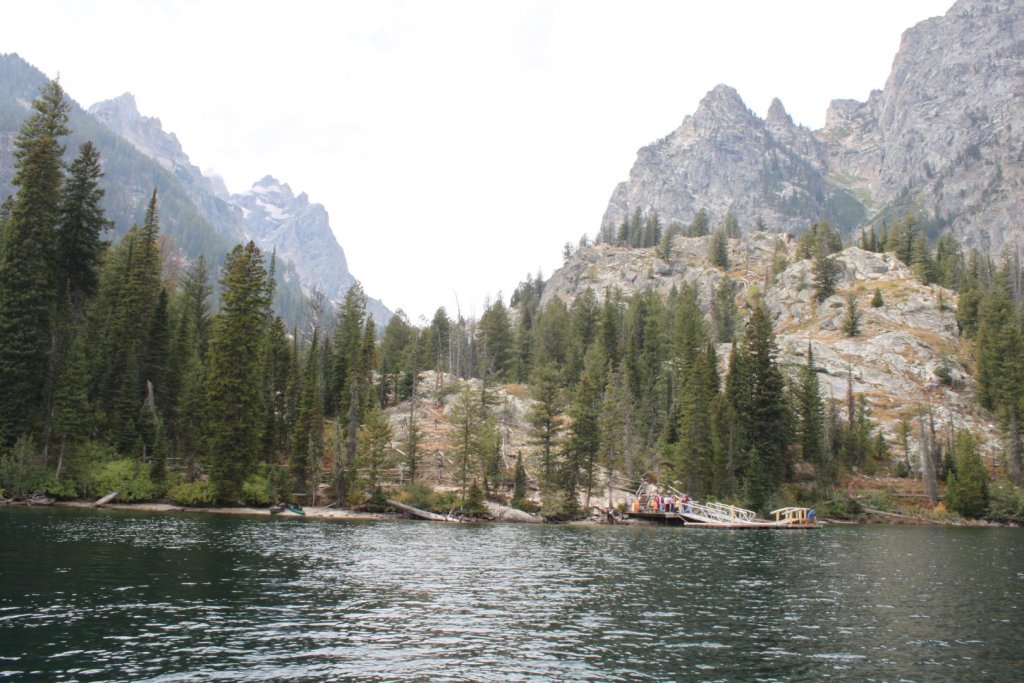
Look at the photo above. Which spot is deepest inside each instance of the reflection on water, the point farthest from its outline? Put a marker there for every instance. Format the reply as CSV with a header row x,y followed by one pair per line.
x,y
109,595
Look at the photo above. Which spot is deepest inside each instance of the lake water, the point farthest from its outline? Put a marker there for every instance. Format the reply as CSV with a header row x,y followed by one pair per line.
x,y
112,595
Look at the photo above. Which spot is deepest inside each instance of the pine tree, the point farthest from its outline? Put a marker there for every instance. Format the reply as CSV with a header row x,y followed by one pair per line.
x,y
967,489
696,460
810,428
724,312
82,222
496,346
72,415
374,438
127,303
763,411
876,300
28,264
825,271
191,415
851,321
902,237
731,225
308,430
545,419
520,483
699,225
347,352
235,414
413,438
718,250
467,421
583,444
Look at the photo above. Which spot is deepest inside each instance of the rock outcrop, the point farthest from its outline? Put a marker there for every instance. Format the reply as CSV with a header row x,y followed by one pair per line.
x,y
943,139
725,159
908,359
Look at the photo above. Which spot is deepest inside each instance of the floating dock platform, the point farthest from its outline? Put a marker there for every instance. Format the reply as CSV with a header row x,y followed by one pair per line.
x,y
691,513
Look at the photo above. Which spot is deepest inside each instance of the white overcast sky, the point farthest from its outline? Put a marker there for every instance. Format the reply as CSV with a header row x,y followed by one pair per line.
x,y
456,145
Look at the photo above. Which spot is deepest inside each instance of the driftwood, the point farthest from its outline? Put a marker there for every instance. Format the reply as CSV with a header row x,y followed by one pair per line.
x,y
872,511
422,514
105,499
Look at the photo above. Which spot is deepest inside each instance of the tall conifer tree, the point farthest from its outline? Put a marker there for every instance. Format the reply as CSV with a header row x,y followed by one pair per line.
x,y
28,264
234,410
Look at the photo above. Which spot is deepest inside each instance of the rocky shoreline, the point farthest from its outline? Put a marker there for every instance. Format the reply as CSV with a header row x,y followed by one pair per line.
x,y
329,513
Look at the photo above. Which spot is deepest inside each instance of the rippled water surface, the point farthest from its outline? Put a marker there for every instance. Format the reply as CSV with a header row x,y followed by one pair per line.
x,y
109,595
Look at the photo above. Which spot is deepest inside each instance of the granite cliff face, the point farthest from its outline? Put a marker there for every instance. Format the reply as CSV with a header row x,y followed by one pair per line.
x,y
300,232
725,159
944,139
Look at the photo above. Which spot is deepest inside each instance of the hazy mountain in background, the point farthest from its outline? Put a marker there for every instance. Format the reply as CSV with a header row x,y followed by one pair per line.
x,y
269,214
196,211
944,139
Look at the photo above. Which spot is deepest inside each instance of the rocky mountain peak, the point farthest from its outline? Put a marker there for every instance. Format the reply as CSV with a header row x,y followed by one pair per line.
x,y
726,160
722,99
121,114
721,108
777,116
941,141
269,185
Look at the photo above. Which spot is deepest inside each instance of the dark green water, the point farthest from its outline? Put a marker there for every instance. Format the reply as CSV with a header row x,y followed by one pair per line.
x,y
109,595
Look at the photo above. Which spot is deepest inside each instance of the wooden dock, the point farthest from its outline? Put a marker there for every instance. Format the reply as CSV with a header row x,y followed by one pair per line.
x,y
692,513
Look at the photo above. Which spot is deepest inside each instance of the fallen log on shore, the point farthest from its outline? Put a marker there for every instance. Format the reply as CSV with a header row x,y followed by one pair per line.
x,y
882,513
422,514
105,499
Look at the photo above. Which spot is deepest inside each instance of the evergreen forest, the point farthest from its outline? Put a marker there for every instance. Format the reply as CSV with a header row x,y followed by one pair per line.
x,y
124,369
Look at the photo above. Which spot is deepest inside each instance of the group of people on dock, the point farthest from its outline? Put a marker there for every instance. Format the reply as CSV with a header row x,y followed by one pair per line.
x,y
659,503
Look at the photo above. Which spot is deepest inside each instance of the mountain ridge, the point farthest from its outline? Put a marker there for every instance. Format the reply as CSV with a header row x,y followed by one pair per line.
x,y
294,228
943,139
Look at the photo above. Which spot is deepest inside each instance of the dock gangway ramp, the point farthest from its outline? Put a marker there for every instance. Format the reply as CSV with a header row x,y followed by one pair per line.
x,y
716,513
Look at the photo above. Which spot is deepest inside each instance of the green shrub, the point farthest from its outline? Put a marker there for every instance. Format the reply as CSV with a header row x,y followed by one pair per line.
x,y
192,493
555,506
527,505
1006,503
270,484
419,494
23,474
901,469
377,502
876,300
130,478
444,502
967,487
474,504
844,508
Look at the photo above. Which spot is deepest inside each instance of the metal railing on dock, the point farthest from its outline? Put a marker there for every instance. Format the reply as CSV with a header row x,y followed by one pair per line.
x,y
716,513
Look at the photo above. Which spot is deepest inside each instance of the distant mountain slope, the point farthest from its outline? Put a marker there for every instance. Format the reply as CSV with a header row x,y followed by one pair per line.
x,y
269,214
944,139
195,211
130,176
